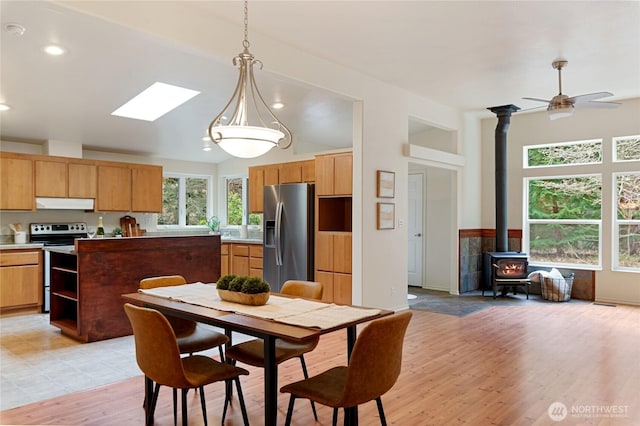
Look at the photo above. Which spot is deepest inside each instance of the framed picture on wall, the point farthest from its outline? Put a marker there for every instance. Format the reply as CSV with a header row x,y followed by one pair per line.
x,y
386,215
386,184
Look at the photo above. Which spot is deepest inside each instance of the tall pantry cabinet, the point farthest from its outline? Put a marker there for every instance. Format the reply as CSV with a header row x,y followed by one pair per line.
x,y
333,256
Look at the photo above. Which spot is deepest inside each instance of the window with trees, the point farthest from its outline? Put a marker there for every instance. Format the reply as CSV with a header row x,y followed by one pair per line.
x,y
238,203
186,200
564,212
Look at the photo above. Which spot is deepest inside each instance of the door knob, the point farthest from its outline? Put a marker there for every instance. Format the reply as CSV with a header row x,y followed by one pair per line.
x,y
418,235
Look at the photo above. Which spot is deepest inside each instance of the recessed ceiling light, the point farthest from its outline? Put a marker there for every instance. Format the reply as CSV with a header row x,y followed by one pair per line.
x,y
4,107
155,101
54,50
277,105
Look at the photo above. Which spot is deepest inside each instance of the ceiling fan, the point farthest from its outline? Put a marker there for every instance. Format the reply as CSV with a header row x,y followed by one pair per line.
x,y
562,105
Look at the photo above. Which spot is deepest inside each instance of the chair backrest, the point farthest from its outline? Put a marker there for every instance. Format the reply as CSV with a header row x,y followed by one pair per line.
x,y
306,289
180,326
164,281
376,359
157,351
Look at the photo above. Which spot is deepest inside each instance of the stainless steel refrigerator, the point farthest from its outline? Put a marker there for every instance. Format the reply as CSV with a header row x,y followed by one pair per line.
x,y
288,233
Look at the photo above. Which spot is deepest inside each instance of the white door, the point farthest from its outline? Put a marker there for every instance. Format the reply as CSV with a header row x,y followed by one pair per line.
x,y
416,220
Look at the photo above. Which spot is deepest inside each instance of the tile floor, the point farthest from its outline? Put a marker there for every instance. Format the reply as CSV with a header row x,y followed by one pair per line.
x,y
37,362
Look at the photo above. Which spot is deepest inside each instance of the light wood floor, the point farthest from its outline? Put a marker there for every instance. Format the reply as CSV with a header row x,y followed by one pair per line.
x,y
500,366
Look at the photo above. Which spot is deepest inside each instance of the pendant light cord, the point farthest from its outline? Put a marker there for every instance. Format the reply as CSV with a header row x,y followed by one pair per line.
x,y
245,42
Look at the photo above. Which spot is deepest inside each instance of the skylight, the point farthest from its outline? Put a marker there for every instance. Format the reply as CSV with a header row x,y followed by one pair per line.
x,y
155,101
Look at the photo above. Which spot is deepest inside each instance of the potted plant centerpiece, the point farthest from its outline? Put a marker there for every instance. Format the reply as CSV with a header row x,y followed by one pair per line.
x,y
241,289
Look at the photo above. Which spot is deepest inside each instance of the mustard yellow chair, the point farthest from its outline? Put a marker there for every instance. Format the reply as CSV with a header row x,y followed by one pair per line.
x,y
252,352
192,337
158,357
373,369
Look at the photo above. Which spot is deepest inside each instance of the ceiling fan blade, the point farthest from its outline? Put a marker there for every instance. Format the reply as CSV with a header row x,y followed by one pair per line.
x,y
530,109
536,99
589,97
596,104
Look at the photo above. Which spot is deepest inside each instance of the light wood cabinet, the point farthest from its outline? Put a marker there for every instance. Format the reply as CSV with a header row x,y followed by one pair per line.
x,y
333,265
334,174
63,177
224,259
114,188
16,183
239,259
82,180
51,178
255,260
274,174
20,279
146,188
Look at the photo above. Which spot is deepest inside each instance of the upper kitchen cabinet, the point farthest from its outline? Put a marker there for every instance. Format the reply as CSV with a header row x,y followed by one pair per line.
x,y
146,188
126,187
114,188
16,183
63,177
334,174
274,174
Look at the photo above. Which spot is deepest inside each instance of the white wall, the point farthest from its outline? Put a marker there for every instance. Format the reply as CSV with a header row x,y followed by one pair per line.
x,y
536,128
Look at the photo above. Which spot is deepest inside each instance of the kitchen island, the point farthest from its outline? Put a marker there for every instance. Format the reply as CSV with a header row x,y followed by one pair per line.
x,y
87,284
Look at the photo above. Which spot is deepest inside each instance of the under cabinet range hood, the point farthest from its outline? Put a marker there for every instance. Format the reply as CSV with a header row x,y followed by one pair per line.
x,y
46,203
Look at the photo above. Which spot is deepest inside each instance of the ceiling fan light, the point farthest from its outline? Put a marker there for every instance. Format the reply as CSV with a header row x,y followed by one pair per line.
x,y
560,111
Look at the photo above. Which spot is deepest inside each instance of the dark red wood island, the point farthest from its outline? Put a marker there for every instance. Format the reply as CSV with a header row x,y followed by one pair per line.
x,y
87,285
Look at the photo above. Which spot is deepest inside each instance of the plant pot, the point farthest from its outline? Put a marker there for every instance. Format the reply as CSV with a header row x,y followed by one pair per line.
x,y
244,298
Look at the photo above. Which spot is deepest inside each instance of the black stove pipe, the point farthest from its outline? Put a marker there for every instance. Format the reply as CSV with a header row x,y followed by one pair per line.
x,y
504,117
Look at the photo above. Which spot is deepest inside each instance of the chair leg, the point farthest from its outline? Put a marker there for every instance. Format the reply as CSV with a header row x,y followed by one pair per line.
x,y
184,408
175,407
221,353
335,417
243,408
383,420
152,403
204,405
292,400
306,376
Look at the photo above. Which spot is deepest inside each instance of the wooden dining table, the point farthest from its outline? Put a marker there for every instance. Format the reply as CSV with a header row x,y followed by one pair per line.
x,y
266,329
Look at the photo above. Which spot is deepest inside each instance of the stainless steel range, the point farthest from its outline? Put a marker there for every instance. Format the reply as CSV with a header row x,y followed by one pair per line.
x,y
59,237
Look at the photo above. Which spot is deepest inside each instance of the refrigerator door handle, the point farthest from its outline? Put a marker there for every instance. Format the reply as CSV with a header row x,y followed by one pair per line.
x,y
278,242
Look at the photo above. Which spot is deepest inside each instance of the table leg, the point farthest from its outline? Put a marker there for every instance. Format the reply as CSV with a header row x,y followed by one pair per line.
x,y
270,382
351,414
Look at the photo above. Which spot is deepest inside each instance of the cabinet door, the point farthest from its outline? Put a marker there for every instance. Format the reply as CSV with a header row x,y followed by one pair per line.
x,y
272,174
83,180
342,289
20,286
342,253
343,174
291,172
146,189
255,260
224,260
51,178
324,175
309,171
326,279
114,188
256,184
324,251
16,184
239,259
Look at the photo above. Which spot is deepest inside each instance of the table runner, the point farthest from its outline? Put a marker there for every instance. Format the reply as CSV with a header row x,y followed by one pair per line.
x,y
301,312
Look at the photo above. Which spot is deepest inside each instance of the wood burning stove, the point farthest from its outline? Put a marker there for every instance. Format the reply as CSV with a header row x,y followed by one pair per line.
x,y
506,269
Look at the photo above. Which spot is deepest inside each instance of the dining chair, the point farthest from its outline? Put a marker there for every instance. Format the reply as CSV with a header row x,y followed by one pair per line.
x,y
158,356
373,369
192,337
252,351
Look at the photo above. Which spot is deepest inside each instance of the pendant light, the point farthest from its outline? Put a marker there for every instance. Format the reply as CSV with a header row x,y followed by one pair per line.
x,y
246,127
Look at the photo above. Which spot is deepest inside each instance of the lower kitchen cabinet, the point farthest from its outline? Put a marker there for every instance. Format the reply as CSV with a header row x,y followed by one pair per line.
x,y
20,279
242,259
255,260
224,259
63,309
336,287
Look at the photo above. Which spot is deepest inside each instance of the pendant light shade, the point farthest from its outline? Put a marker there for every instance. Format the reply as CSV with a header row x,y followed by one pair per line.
x,y
246,127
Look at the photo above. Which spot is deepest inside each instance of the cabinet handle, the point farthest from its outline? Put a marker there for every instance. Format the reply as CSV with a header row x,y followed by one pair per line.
x,y
418,235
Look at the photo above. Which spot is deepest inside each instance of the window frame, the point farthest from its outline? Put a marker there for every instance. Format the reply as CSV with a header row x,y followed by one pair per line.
x,y
182,199
615,223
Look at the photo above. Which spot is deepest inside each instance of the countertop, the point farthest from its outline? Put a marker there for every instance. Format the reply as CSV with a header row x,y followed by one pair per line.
x,y
241,240
13,246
